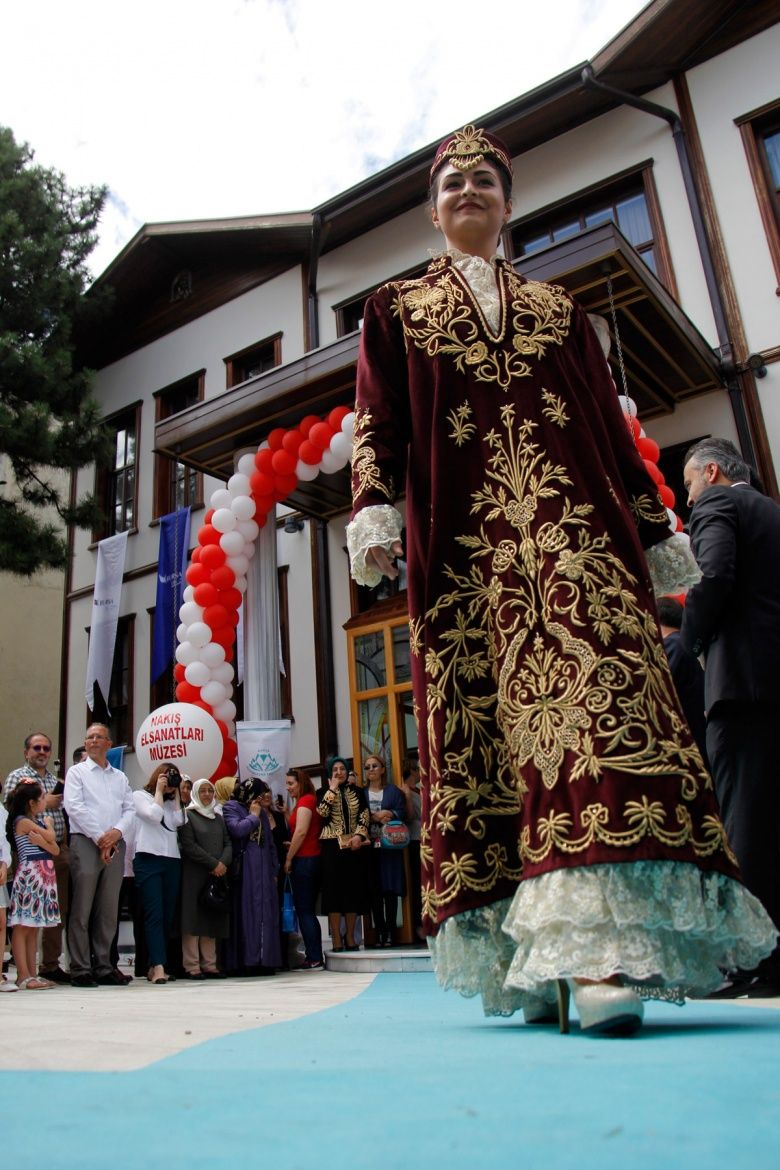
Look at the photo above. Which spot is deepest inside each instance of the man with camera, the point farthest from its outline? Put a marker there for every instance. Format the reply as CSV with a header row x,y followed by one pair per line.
x,y
99,803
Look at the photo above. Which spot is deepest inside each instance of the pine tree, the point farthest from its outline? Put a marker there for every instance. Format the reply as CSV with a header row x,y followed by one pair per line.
x,y
49,423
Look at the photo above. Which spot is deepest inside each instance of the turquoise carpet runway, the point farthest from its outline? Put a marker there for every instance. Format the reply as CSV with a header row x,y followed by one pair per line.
x,y
406,1076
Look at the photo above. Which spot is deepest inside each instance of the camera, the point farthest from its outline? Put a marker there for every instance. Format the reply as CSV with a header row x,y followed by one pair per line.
x,y
173,778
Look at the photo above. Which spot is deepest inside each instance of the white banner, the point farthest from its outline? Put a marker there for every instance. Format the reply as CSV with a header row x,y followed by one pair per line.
x,y
105,615
264,751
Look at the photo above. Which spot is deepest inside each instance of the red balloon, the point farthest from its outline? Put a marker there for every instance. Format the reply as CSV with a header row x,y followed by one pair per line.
x,y
321,435
215,616
666,494
653,471
178,672
233,618
263,460
195,554
648,449
208,535
230,598
212,556
308,453
197,574
305,425
260,520
337,416
209,516
187,693
225,636
261,483
634,426
292,441
264,506
206,595
283,462
222,769
203,706
284,485
276,438
223,577
679,525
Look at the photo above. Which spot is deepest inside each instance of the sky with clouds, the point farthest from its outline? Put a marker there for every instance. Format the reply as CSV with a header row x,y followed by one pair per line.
x,y
197,109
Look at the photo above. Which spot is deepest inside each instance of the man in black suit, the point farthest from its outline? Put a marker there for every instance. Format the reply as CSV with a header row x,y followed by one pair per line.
x,y
686,670
732,616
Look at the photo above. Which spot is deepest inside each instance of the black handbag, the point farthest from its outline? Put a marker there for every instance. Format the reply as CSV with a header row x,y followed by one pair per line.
x,y
215,895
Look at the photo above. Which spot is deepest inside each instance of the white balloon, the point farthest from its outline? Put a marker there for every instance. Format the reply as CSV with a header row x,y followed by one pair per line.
x,y
181,632
238,485
197,673
341,446
224,520
213,655
672,519
220,498
249,529
199,634
239,564
230,727
329,463
231,543
642,433
181,734
189,593
246,465
243,508
223,673
305,471
240,584
348,424
627,405
225,711
191,612
186,653
250,548
211,692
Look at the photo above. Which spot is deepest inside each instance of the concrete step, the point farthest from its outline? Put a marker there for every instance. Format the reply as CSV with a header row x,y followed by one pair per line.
x,y
381,959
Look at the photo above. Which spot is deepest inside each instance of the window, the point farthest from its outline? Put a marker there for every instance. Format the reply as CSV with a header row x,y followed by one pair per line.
x,y
349,314
761,138
381,690
120,691
177,486
116,486
629,201
254,360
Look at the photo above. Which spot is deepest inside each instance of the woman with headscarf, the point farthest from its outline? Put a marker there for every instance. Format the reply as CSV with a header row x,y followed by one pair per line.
x,y
223,791
343,809
571,838
254,946
206,853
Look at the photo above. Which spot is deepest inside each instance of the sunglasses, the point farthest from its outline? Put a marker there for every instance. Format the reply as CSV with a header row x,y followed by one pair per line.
x,y
34,747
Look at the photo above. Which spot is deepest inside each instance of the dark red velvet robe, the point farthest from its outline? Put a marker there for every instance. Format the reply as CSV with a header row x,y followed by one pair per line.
x,y
550,734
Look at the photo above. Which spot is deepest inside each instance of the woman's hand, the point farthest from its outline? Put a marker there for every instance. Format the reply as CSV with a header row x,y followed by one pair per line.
x,y
382,561
334,784
356,842
256,806
219,870
162,784
288,865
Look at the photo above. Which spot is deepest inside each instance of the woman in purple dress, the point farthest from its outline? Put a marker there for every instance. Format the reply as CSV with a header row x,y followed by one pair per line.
x,y
253,947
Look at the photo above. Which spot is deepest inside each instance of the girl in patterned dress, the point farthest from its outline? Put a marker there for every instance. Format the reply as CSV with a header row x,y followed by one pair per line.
x,y
34,894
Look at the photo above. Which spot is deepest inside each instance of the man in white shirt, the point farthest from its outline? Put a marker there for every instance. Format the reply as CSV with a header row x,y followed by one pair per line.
x,y
99,803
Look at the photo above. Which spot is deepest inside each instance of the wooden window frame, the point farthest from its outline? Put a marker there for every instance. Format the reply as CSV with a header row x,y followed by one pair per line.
x,y
344,309
103,475
285,680
163,465
611,187
233,362
752,128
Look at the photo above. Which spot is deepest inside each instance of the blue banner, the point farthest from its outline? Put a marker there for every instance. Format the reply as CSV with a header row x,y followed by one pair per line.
x,y
172,565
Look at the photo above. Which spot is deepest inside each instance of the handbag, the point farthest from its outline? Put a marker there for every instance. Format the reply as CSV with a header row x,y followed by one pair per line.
x,y
289,918
394,835
215,895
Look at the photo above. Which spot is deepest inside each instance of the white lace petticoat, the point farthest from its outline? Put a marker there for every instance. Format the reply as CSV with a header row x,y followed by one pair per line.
x,y
672,566
667,927
376,526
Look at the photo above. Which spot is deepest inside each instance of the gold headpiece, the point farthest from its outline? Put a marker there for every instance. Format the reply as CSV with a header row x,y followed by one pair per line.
x,y
468,147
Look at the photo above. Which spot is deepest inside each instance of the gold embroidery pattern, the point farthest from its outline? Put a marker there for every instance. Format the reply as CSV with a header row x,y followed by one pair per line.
x,y
581,682
555,410
462,429
646,507
364,466
441,318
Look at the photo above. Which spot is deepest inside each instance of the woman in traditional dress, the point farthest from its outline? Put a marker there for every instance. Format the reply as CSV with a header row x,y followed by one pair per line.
x,y
570,837
206,853
343,810
254,946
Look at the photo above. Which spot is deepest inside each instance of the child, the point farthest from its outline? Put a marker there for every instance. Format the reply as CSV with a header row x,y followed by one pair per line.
x,y
34,894
5,861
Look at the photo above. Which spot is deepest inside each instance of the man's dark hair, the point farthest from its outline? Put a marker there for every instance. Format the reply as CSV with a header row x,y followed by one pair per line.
x,y
670,612
32,736
78,753
725,454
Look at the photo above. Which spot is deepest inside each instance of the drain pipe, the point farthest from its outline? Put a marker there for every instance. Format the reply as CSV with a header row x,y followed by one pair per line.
x,y
312,303
728,366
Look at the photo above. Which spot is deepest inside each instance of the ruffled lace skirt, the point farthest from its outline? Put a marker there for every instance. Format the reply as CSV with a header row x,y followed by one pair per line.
x,y
669,928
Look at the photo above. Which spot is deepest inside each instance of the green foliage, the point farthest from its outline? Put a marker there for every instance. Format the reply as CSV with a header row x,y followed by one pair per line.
x,y
49,424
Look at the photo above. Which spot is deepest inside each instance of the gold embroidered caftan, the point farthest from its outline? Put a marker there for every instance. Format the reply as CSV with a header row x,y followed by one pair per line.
x,y
551,741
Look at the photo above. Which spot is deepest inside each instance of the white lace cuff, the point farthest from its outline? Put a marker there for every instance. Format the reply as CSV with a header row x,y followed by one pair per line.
x,y
378,525
672,565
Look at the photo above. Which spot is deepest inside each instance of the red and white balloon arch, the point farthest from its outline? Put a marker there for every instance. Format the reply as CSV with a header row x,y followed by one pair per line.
x,y
217,573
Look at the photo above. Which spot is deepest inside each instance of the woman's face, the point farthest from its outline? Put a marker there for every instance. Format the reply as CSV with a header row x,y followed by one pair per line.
x,y
185,790
292,786
206,794
470,207
339,772
374,769
266,799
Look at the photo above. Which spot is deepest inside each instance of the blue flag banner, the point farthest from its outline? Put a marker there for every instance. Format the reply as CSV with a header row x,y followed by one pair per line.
x,y
172,565
116,757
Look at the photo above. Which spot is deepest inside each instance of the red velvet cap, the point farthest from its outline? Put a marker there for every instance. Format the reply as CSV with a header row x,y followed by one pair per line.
x,y
466,149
